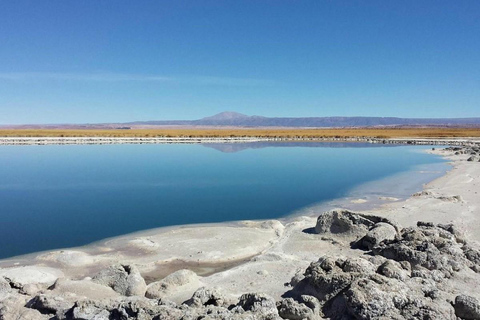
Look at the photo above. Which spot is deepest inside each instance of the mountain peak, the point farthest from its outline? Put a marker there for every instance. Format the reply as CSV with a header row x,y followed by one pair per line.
x,y
226,115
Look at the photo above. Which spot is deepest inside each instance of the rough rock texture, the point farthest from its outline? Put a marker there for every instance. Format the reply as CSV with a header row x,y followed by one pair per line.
x,y
124,279
378,233
386,273
259,304
403,276
350,225
467,307
207,296
435,248
4,286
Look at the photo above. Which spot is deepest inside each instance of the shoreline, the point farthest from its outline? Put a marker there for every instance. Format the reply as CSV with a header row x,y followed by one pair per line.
x,y
200,140
364,197
261,256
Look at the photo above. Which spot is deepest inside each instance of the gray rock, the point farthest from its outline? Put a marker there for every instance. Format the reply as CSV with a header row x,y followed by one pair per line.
x,y
380,232
259,303
348,224
343,222
291,309
124,279
393,269
12,307
467,307
51,304
326,278
4,286
205,296
429,247
21,276
89,310
473,159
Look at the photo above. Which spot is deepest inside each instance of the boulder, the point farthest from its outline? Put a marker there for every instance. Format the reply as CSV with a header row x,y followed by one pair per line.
x,y
124,279
291,309
206,296
393,269
342,222
430,247
467,307
51,304
4,286
12,307
83,289
89,310
348,224
258,303
380,232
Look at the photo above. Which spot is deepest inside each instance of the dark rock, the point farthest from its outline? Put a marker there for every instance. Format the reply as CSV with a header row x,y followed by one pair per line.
x,y
380,232
50,304
258,303
467,307
291,309
205,297
346,223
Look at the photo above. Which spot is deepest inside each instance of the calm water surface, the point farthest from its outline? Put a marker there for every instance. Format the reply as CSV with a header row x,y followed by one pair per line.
x,y
63,196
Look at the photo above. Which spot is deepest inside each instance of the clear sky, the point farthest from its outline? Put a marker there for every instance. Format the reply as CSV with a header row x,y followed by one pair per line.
x,y
116,61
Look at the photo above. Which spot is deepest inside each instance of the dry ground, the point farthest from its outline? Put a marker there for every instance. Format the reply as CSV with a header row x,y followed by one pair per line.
x,y
245,132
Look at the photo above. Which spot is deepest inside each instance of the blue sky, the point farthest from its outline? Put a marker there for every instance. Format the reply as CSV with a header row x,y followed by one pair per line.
x,y
113,61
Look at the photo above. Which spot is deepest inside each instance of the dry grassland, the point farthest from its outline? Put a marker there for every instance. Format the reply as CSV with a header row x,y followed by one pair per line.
x,y
280,133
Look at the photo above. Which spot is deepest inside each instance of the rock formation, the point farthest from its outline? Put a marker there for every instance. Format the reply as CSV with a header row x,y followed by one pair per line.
x,y
386,272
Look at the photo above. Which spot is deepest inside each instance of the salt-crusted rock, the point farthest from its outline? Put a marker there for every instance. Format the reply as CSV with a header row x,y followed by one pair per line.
x,y
291,309
83,289
348,224
258,303
124,279
176,281
207,296
20,276
467,307
343,222
51,304
4,286
89,310
428,246
393,269
378,233
12,307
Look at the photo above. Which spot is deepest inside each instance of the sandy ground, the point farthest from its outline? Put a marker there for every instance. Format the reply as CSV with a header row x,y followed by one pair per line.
x,y
256,256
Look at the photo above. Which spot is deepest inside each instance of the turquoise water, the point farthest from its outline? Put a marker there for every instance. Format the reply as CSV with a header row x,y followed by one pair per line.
x,y
63,196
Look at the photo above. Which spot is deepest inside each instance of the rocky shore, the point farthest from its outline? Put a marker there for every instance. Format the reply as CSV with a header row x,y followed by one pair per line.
x,y
417,259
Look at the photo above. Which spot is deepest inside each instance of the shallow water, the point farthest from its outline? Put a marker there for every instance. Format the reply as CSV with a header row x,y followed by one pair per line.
x,y
64,196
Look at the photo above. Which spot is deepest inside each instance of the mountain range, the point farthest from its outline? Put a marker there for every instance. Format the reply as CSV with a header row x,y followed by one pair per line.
x,y
234,119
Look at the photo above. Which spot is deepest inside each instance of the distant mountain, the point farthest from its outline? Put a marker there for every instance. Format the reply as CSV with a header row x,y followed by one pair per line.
x,y
234,119
237,119
226,116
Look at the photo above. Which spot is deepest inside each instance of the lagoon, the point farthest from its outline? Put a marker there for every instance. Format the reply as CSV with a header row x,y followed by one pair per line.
x,y
64,196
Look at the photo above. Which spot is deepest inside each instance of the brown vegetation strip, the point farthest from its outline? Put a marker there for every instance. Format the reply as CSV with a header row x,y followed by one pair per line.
x,y
281,133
